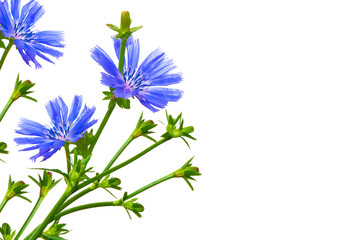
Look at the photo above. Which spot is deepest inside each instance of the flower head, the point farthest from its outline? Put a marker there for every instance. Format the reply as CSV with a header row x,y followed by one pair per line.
x,y
65,126
145,82
18,26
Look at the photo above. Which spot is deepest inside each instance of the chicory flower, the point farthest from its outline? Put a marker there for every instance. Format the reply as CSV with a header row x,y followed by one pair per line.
x,y
17,25
145,82
65,126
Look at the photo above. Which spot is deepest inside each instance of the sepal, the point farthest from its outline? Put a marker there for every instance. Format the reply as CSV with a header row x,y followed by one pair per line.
x,y
121,102
83,144
6,233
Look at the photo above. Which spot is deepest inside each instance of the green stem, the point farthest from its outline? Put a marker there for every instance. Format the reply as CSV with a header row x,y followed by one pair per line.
x,y
83,207
150,185
122,55
106,204
7,49
112,103
6,108
117,154
51,215
123,164
68,159
76,197
111,107
3,203
89,189
37,205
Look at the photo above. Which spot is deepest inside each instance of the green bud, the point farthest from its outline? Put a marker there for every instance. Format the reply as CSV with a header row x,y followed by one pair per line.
x,y
79,170
21,89
187,171
143,128
131,205
125,22
55,231
15,189
3,147
110,183
124,32
175,128
46,183
5,231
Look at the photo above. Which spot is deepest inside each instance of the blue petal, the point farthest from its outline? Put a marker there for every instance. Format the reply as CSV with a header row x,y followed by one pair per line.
x,y
5,19
15,10
75,109
31,128
101,57
159,97
30,14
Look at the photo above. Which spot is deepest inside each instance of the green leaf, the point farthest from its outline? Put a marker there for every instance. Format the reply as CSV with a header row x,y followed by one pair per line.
x,y
2,45
3,147
113,27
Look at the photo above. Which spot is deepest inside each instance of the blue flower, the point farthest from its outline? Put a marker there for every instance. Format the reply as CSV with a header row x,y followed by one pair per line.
x,y
18,26
144,82
65,126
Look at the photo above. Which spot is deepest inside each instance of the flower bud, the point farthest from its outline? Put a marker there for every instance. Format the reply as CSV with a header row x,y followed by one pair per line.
x,y
5,231
15,189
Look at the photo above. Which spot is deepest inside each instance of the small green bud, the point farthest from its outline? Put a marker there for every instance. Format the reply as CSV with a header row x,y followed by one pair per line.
x,y
15,189
79,170
131,205
187,171
124,32
110,183
21,89
55,231
3,147
5,231
125,22
46,183
175,128
143,128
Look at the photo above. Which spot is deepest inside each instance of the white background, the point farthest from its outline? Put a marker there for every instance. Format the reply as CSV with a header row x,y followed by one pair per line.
x,y
272,89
